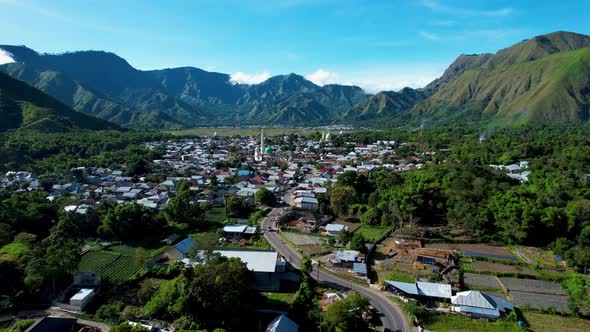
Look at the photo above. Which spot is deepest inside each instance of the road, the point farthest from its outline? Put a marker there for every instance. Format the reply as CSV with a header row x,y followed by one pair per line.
x,y
391,315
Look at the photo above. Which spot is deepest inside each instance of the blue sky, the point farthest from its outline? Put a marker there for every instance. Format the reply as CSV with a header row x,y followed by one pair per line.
x,y
378,45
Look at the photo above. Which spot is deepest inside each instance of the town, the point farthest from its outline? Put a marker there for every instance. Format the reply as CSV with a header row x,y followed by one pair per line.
x,y
264,201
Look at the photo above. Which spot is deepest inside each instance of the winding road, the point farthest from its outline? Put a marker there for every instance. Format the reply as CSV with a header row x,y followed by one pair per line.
x,y
391,315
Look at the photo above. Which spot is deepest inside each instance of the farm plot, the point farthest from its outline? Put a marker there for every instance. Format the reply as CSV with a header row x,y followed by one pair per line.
x,y
302,239
110,265
533,286
480,280
372,233
540,301
497,267
484,250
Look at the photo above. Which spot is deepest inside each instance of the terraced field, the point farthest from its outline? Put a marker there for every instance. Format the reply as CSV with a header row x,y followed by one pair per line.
x,y
540,301
481,280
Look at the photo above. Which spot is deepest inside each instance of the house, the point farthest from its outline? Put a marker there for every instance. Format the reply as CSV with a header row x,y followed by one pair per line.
x,y
479,305
309,203
346,258
335,229
359,269
331,298
181,249
53,324
282,324
421,289
82,298
239,231
265,264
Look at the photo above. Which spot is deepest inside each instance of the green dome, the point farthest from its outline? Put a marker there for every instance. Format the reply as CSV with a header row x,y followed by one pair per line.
x,y
268,150
328,136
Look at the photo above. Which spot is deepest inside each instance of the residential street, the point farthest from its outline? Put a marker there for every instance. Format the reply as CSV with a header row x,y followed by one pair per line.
x,y
391,315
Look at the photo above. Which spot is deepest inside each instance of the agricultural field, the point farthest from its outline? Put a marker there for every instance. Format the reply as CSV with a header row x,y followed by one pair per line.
x,y
372,233
480,280
310,245
110,265
485,250
501,268
539,322
540,301
533,286
302,239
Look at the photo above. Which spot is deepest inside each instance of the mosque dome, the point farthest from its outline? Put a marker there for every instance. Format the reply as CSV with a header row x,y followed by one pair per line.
x,y
268,150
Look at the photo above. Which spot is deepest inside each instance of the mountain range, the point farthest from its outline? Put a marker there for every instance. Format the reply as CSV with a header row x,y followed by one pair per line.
x,y
24,107
537,81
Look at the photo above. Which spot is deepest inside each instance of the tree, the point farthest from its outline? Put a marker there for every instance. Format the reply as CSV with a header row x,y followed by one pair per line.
x,y
265,197
344,237
341,198
183,209
132,223
347,314
58,255
358,243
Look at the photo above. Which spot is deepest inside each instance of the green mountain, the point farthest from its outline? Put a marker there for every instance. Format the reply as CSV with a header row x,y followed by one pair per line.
x,y
385,105
538,81
24,107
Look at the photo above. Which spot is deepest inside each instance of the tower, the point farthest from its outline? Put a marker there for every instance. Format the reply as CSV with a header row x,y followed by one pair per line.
x,y
259,152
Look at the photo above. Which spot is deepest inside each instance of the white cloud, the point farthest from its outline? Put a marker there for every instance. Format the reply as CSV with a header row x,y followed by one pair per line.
x,y
322,77
438,7
243,78
429,35
5,57
385,77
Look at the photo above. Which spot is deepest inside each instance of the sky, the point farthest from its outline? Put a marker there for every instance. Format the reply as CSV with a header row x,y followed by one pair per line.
x,y
375,44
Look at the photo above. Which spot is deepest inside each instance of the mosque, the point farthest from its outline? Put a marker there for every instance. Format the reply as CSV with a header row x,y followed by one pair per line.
x,y
260,152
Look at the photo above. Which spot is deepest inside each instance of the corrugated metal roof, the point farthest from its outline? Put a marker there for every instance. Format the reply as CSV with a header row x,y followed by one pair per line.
x,y
282,324
235,228
480,311
406,287
434,289
346,255
478,299
359,268
423,288
257,261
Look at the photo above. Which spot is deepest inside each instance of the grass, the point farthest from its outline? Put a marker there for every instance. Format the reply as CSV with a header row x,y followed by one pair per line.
x,y
372,233
400,276
539,322
216,215
455,323
227,131
278,301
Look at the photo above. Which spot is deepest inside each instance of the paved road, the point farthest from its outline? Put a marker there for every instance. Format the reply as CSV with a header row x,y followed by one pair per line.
x,y
391,315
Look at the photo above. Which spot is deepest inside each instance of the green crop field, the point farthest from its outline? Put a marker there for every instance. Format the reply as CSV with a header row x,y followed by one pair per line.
x,y
110,265
372,233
